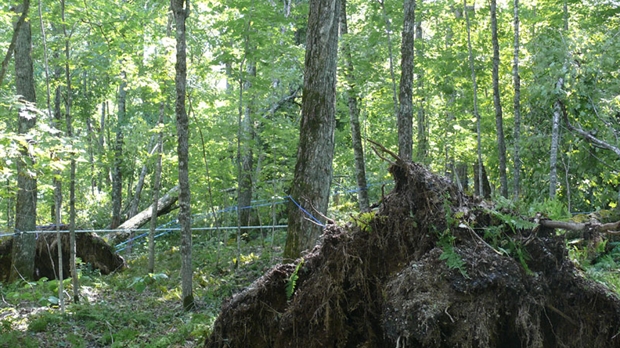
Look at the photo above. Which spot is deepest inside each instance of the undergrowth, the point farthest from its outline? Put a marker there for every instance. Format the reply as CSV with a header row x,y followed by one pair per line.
x,y
134,308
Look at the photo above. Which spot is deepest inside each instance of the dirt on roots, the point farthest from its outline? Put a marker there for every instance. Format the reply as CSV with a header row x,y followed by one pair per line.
x,y
420,273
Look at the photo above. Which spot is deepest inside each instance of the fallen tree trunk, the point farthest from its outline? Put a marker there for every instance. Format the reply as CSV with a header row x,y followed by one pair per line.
x,y
415,274
583,230
92,249
164,206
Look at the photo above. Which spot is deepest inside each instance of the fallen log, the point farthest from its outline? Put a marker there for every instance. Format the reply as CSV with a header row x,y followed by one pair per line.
x,y
583,229
164,205
90,248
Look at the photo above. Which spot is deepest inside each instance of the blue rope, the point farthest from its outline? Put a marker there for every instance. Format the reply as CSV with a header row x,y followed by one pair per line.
x,y
306,212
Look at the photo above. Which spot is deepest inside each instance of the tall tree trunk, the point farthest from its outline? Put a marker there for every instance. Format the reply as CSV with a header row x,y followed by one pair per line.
x,y
180,10
499,126
555,143
156,187
354,112
245,155
68,116
388,30
422,136
405,95
117,172
102,171
23,252
313,171
555,123
475,91
57,123
517,104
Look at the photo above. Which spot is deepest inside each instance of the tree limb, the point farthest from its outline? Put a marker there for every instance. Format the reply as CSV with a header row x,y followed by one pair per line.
x,y
587,135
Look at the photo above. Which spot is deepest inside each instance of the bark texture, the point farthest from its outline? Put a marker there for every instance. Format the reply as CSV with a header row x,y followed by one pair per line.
x,y
313,170
405,95
26,202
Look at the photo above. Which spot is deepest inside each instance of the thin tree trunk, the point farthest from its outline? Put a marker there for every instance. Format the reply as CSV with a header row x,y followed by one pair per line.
x,y
354,112
388,30
135,202
517,104
180,10
405,95
475,92
246,156
313,171
72,251
422,136
23,252
156,187
117,173
54,123
102,146
501,143
555,123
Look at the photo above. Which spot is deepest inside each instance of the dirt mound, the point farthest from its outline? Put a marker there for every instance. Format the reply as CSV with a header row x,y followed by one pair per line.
x,y
432,268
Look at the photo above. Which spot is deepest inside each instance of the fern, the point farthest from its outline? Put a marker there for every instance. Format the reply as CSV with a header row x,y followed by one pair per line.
x,y
292,281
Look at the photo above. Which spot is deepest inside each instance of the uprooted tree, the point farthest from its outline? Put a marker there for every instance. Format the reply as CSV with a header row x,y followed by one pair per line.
x,y
90,248
431,268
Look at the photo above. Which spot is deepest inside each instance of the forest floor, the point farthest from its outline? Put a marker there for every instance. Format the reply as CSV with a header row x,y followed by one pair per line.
x,y
133,308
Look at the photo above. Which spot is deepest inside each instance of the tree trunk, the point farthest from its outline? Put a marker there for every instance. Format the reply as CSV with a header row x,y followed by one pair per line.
x,y
156,187
422,136
388,31
555,123
135,202
517,104
117,172
180,10
354,111
501,143
313,171
68,116
12,46
245,155
480,175
23,252
405,95
164,204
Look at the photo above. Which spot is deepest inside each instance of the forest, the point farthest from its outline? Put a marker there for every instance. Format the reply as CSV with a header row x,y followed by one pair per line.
x,y
167,168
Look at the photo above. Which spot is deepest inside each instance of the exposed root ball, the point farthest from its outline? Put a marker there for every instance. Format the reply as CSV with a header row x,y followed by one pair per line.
x,y
421,274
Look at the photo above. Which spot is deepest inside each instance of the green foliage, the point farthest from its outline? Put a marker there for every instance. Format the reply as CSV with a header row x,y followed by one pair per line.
x,y
363,221
292,280
40,322
140,283
449,254
551,208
